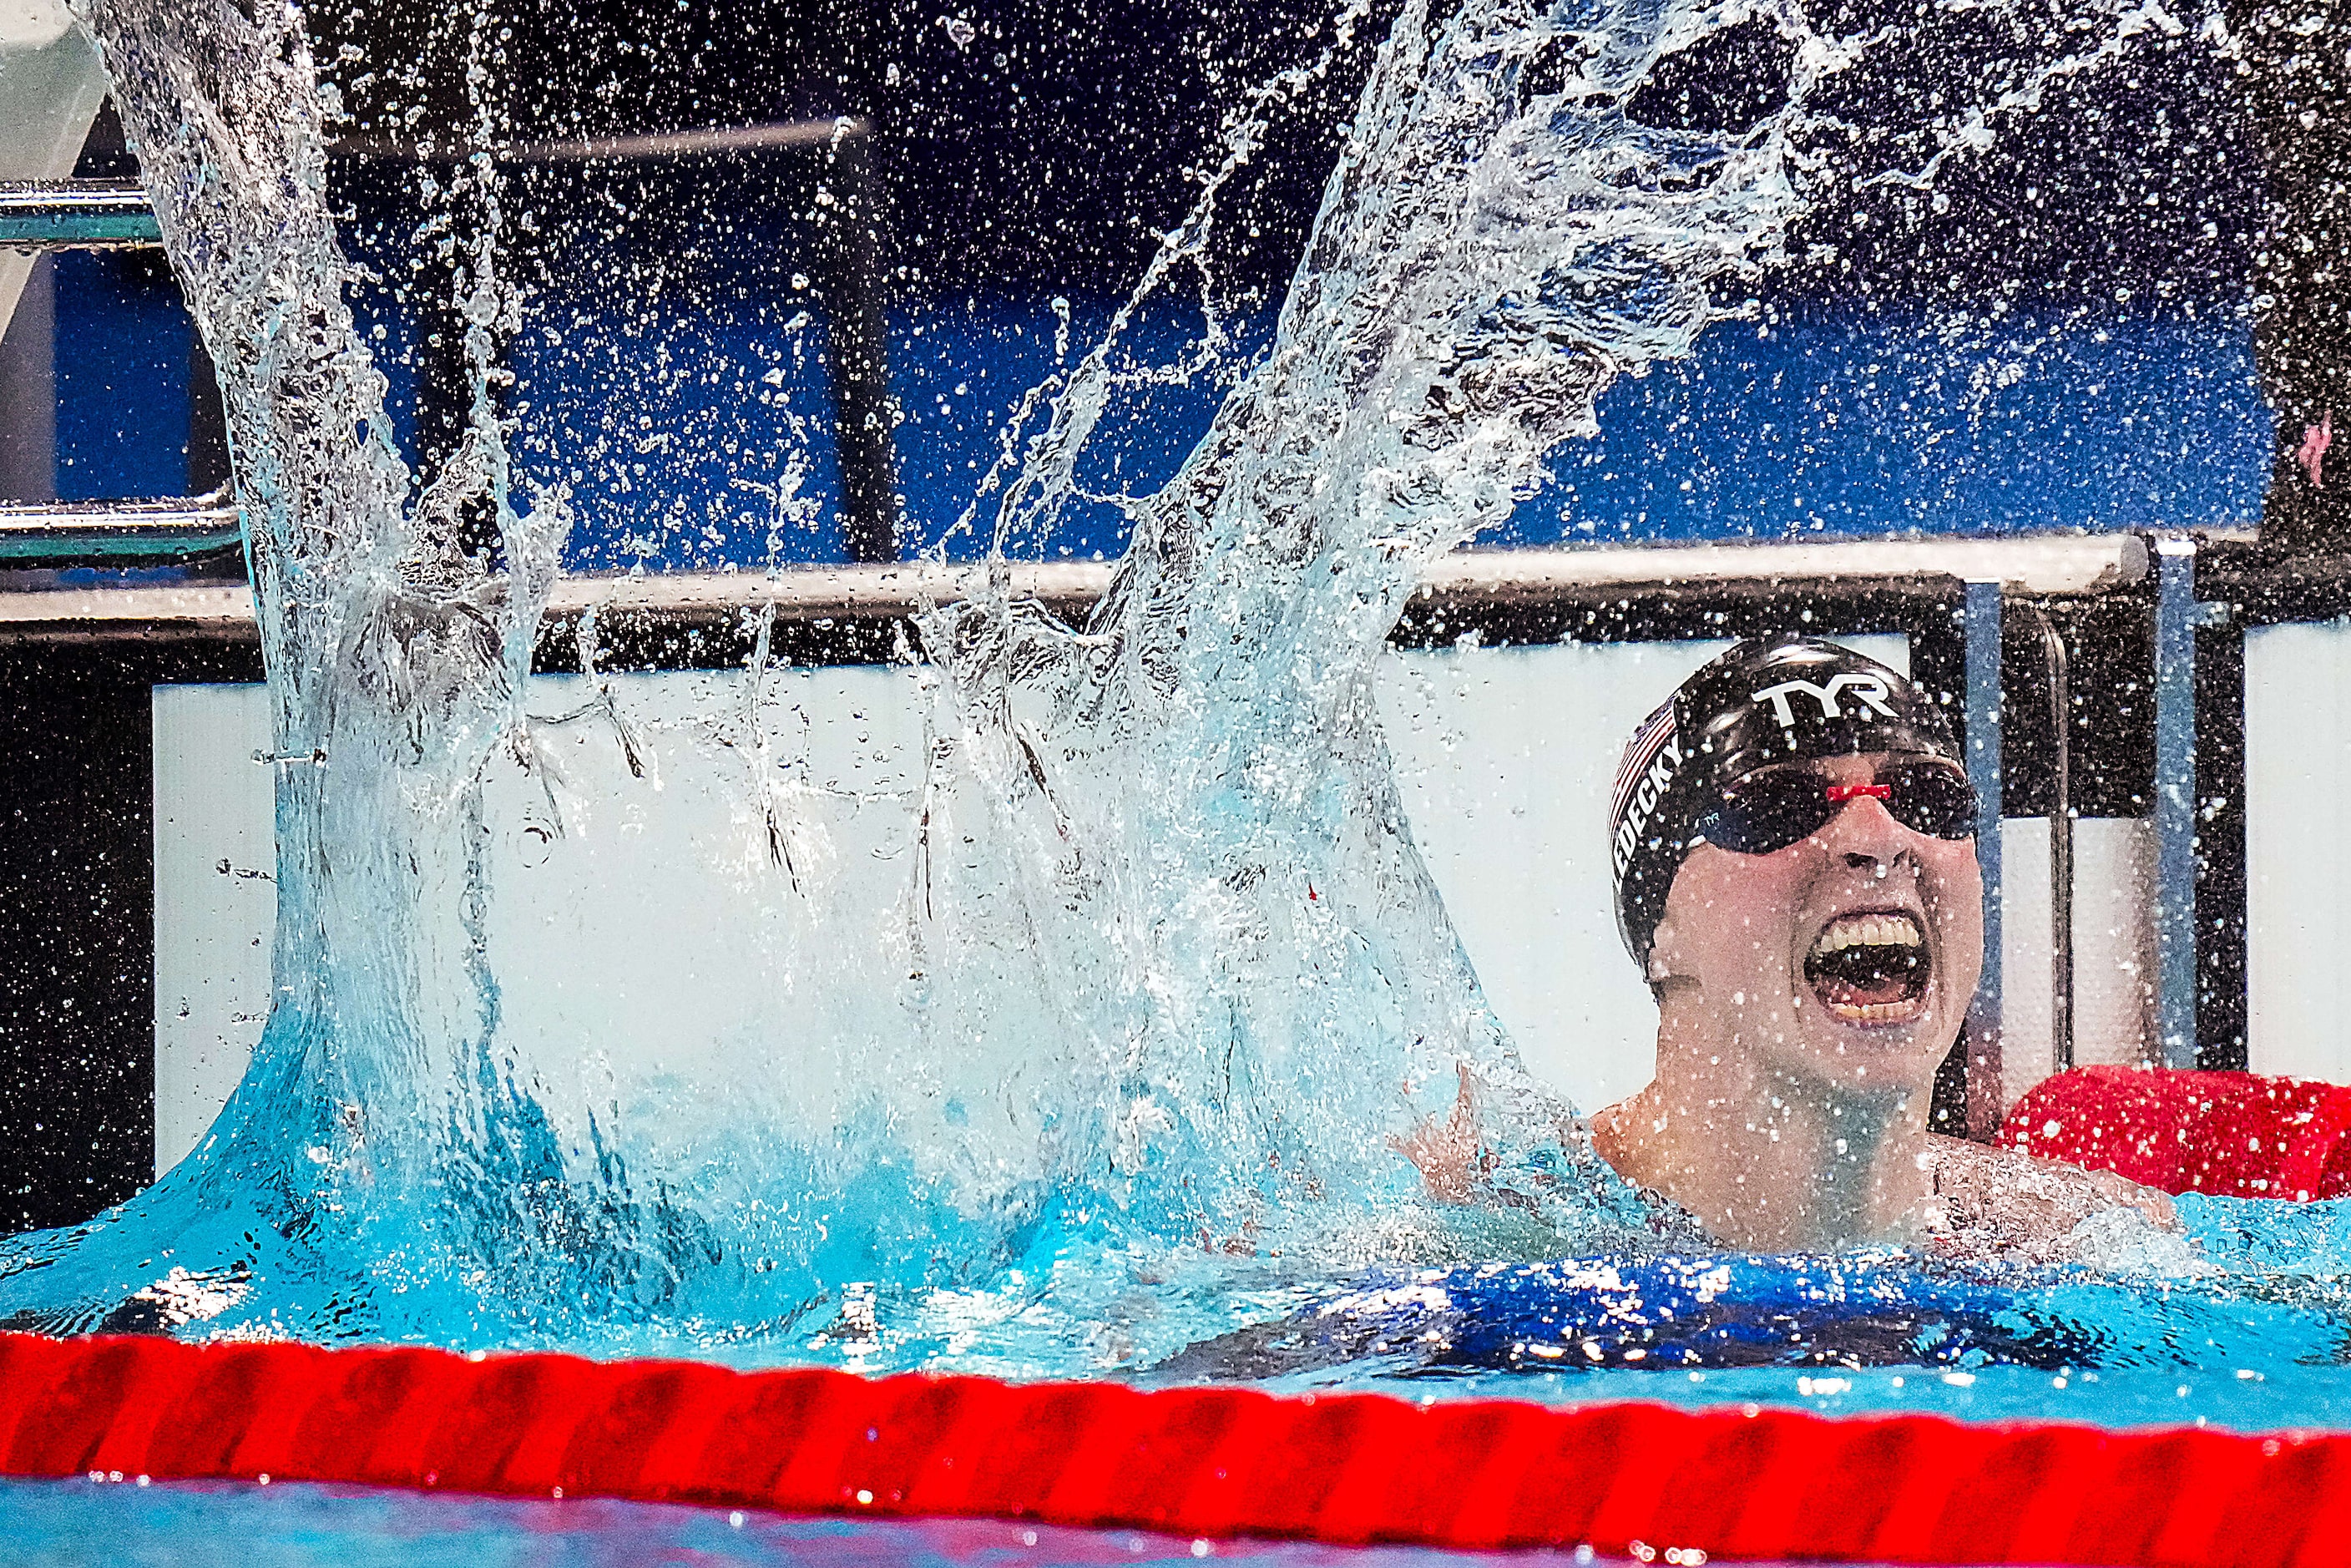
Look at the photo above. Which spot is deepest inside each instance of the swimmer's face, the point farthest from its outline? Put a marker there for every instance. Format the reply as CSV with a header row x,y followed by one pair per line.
x,y
1847,957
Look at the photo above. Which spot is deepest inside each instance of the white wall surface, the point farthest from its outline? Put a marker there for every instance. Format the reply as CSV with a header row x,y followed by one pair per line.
x,y
216,901
2297,833
1504,757
620,925
2114,948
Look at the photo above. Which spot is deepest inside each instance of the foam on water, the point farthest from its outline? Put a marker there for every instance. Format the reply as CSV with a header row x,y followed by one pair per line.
x,y
1117,1068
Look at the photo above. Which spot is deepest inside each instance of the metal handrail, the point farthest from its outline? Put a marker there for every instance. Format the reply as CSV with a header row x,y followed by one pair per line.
x,y
76,214
847,592
2059,670
99,214
77,533
109,214
724,140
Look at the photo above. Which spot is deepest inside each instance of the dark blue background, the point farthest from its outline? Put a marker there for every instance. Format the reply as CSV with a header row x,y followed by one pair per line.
x,y
2056,337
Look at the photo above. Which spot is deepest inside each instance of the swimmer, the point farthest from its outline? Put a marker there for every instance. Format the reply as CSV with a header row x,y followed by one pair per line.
x,y
1792,842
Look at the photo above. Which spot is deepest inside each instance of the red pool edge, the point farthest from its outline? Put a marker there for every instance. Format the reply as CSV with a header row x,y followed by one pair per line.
x,y
1623,1479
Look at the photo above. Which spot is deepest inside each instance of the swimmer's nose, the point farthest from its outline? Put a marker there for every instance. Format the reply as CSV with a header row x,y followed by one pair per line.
x,y
1865,833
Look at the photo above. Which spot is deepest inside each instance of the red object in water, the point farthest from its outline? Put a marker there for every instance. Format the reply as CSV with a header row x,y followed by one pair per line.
x,y
2312,454
1628,1479
2236,1135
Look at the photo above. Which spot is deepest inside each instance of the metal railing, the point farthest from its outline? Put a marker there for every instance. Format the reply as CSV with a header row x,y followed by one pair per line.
x,y
99,214
76,214
118,533
2070,612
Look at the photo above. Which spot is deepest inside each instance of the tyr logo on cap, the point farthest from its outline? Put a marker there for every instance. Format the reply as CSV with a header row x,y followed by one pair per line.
x,y
1871,689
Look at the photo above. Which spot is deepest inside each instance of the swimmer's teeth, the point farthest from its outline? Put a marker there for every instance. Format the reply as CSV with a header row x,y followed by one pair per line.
x,y
1868,931
1876,1012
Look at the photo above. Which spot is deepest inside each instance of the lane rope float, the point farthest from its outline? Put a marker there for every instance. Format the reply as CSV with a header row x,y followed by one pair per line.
x,y
1628,1479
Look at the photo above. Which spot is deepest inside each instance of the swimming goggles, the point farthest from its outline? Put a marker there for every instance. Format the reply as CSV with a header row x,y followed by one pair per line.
x,y
1769,810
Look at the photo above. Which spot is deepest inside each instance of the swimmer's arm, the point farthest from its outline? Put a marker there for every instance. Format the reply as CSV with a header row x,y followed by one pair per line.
x,y
2028,1199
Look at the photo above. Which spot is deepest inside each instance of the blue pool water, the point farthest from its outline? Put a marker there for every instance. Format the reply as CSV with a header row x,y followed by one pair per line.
x,y
1853,1335
84,1524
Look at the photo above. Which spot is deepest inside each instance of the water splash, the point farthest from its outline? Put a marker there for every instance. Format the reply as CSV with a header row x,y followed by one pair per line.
x,y
1186,811
1123,1063
377,1134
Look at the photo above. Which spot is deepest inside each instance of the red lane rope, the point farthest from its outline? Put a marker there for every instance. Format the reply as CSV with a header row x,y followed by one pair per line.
x,y
1627,1479
2235,1134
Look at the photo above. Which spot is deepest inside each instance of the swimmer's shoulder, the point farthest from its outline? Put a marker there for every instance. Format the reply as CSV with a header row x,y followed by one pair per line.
x,y
1604,1135
1608,1132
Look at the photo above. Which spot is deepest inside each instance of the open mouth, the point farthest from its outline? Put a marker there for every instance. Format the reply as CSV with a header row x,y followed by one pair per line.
x,y
1870,967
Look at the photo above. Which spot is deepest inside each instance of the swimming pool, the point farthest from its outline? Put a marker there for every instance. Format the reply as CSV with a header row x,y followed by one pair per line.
x,y
1110,1084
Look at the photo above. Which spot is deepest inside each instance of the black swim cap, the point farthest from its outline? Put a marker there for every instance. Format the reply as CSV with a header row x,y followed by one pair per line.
x,y
1766,701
